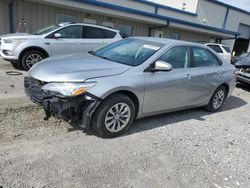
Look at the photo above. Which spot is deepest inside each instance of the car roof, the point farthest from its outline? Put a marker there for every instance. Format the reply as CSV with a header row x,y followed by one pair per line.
x,y
63,24
217,44
169,41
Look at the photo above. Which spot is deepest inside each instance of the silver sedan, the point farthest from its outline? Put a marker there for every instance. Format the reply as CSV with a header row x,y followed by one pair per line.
x,y
107,89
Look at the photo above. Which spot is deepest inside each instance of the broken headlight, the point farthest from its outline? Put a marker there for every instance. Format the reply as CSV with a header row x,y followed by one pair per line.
x,y
69,89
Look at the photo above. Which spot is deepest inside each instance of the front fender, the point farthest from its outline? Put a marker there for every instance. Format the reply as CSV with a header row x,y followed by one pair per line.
x,y
126,82
30,45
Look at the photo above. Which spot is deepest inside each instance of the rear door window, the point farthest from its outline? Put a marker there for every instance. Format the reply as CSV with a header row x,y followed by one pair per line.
x,y
93,33
215,48
203,58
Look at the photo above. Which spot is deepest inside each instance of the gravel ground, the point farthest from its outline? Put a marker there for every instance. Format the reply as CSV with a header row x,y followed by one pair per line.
x,y
11,87
191,148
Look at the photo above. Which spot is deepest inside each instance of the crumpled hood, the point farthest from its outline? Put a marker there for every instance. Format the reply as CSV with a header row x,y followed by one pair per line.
x,y
75,68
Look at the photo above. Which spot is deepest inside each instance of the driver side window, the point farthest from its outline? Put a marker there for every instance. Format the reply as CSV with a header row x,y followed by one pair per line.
x,y
71,32
177,56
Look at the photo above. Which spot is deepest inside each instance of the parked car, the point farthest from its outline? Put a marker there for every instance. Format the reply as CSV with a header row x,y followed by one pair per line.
x,y
223,50
27,49
239,57
108,88
243,70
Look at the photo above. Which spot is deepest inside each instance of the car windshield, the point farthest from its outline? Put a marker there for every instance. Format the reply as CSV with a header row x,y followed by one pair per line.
x,y
129,51
46,30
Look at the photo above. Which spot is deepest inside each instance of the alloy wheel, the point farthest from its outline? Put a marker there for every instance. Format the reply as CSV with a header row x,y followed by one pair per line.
x,y
218,99
117,117
32,59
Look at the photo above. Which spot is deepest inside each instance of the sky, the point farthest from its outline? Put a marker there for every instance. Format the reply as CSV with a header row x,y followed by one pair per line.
x,y
243,4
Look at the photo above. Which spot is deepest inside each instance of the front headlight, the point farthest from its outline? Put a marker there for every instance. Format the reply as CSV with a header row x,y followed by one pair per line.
x,y
12,41
69,89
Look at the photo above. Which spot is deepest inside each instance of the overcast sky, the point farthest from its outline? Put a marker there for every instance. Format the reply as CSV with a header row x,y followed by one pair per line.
x,y
243,4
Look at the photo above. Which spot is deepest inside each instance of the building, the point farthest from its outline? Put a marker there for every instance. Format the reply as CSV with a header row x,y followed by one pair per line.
x,y
191,20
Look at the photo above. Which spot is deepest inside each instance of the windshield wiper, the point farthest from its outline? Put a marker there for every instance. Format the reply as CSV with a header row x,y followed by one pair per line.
x,y
104,58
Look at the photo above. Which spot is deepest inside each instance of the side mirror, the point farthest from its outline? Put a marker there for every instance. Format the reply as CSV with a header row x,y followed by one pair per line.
x,y
160,66
57,35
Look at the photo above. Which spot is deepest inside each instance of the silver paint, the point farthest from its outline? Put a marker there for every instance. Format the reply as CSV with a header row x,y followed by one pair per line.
x,y
157,92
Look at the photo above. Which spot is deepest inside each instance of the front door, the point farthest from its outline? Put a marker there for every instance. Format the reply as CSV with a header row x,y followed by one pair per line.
x,y
168,90
69,41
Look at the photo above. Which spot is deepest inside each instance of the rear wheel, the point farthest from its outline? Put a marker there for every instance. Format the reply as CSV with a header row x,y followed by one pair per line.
x,y
30,58
114,116
217,99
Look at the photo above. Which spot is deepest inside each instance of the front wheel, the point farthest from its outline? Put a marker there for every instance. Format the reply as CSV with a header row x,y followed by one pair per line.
x,y
217,99
30,58
114,116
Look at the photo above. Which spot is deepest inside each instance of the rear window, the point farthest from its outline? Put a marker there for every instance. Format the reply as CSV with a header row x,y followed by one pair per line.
x,y
215,48
227,49
123,35
109,34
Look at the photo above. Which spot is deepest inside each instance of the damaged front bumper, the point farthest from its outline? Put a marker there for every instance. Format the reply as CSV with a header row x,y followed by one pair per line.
x,y
77,110
243,74
243,77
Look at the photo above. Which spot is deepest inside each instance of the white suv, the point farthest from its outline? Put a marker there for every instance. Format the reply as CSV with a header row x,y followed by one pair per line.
x,y
25,49
223,50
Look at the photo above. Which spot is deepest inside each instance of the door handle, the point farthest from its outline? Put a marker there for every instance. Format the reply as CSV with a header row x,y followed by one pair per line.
x,y
188,76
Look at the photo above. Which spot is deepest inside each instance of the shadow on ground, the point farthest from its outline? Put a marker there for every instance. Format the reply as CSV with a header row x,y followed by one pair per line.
x,y
148,123
243,86
233,102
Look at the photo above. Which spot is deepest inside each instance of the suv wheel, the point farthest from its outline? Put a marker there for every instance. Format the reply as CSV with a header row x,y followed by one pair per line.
x,y
217,99
16,65
114,116
30,58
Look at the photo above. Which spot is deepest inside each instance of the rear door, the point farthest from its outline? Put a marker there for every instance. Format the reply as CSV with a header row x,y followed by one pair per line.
x,y
94,37
68,43
205,75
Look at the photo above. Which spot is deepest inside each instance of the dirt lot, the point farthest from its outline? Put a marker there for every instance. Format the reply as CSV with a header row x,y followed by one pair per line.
x,y
191,148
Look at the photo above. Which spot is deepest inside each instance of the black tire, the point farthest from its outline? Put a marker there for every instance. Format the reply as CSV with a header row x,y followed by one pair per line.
x,y
16,65
98,120
27,54
211,107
